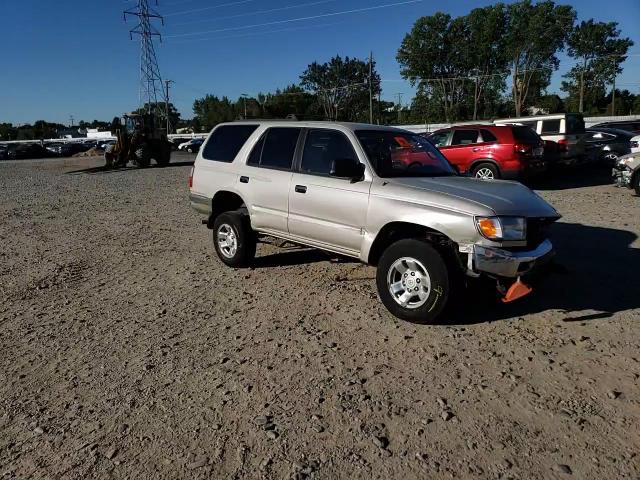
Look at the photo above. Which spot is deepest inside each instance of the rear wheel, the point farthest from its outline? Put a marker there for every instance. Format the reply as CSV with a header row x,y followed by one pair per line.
x,y
163,155
233,239
635,183
413,281
486,171
143,156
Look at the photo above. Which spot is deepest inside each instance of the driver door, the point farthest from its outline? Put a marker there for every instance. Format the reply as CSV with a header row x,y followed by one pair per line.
x,y
325,210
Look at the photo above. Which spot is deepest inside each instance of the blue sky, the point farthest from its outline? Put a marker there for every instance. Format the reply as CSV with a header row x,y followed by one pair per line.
x,y
73,57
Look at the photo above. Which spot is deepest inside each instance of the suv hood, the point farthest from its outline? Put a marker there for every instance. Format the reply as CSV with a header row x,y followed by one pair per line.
x,y
471,195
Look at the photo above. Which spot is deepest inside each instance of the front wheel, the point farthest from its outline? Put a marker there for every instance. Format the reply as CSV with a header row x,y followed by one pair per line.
x,y
486,171
413,281
233,239
143,156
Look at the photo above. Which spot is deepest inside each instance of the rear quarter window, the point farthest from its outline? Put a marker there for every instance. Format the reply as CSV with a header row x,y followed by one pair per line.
x,y
525,135
225,142
550,127
575,124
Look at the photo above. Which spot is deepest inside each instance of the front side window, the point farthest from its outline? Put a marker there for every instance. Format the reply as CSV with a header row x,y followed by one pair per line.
x,y
464,137
226,141
275,149
403,154
322,149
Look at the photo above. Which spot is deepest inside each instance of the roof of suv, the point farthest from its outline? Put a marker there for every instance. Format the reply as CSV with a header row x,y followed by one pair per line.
x,y
314,123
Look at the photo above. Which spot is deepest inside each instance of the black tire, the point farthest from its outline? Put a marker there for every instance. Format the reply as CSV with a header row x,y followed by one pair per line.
x,y
164,155
109,156
244,239
143,156
486,168
635,183
418,310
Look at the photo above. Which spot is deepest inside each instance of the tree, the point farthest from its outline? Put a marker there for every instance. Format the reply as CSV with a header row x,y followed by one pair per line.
x,y
8,131
600,52
534,35
342,87
211,110
160,107
433,57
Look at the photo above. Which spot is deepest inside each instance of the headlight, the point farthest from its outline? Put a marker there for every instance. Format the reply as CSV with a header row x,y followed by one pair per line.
x,y
502,228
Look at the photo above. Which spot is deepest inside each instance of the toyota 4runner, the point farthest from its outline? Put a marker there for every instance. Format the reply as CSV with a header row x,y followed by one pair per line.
x,y
383,195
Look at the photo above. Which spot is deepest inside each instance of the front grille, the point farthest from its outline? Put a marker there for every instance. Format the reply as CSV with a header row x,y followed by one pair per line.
x,y
538,230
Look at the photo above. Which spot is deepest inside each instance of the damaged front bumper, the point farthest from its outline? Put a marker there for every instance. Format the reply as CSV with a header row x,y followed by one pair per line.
x,y
622,176
500,262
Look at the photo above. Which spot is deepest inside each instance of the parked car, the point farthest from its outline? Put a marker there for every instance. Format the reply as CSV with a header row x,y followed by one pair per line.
x,y
350,189
104,145
21,151
183,146
605,145
492,151
635,144
194,147
626,171
565,129
632,126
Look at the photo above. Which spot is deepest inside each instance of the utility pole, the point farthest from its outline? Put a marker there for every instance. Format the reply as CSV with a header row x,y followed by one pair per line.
x,y
370,88
399,105
166,104
151,85
475,97
244,97
613,95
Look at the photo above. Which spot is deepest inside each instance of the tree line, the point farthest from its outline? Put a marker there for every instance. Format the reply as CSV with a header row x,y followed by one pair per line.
x,y
496,61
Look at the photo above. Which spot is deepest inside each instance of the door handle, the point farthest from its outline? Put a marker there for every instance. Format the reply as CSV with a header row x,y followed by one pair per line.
x,y
301,189
476,149
244,179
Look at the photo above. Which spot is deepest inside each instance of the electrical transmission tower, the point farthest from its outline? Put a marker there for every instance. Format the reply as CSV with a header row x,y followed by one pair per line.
x,y
151,85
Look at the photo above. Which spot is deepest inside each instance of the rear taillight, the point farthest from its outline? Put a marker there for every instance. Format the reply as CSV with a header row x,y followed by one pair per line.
x,y
191,178
635,144
563,145
522,148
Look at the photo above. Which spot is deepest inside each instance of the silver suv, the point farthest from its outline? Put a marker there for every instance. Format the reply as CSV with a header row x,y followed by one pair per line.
x,y
383,195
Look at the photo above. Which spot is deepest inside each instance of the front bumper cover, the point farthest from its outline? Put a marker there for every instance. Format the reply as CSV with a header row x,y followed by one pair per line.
x,y
506,263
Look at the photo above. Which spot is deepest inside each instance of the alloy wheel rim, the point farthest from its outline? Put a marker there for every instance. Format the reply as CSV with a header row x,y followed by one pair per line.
x,y
409,282
227,240
484,174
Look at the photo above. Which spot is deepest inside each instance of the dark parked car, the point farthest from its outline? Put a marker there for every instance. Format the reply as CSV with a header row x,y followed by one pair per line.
x,y
605,145
492,151
632,126
21,151
194,145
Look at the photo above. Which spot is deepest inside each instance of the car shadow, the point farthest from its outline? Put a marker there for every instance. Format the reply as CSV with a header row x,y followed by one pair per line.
x,y
574,177
298,256
103,169
595,271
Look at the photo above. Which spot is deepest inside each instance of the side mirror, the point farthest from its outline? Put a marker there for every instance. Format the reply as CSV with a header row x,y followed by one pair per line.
x,y
347,168
123,121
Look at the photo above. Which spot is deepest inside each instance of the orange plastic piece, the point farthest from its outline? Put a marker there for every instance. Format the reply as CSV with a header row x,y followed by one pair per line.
x,y
516,291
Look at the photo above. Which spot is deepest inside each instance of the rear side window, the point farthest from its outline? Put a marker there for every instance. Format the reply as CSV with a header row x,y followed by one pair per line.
x,y
487,136
275,149
525,135
550,127
464,137
225,142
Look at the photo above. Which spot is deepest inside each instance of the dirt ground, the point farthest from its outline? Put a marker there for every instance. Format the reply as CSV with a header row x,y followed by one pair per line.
x,y
127,350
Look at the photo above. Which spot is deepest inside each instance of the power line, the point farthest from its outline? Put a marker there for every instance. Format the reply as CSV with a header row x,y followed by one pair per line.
x,y
258,12
300,19
196,10
252,34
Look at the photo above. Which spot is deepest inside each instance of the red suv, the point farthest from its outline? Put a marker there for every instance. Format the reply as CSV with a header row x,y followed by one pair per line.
x,y
492,151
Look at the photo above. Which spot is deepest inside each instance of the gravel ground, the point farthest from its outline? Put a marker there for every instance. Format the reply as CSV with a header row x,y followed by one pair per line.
x,y
127,350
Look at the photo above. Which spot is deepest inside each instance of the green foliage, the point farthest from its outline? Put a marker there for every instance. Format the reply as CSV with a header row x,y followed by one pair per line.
x,y
160,108
600,51
341,87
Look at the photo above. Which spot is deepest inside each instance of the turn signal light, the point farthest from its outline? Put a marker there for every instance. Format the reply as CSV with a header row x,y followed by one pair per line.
x,y
191,178
488,227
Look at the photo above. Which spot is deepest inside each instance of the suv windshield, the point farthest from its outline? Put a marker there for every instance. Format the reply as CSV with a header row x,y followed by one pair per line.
x,y
403,154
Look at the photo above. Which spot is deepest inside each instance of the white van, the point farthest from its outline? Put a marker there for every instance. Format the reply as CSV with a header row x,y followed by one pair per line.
x,y
564,129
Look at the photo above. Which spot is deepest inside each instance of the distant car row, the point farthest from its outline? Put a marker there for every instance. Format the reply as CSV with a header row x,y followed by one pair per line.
x,y
517,148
